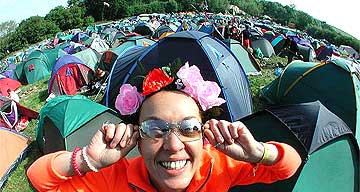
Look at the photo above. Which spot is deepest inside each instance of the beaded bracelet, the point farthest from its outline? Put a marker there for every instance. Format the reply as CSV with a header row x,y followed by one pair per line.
x,y
87,161
73,162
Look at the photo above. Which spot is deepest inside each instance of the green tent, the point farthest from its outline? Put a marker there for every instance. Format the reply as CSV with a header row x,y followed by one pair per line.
x,y
36,67
89,56
109,57
247,61
66,122
325,143
335,83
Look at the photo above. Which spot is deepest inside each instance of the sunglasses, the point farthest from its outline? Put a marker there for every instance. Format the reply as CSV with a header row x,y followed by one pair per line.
x,y
186,130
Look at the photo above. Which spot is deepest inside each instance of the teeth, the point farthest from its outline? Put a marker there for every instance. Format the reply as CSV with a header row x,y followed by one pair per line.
x,y
173,164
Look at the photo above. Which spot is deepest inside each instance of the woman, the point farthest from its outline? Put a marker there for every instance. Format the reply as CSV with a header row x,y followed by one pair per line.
x,y
172,142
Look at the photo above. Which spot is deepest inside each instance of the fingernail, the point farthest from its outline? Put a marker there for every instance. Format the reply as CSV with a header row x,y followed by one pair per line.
x,y
123,144
221,139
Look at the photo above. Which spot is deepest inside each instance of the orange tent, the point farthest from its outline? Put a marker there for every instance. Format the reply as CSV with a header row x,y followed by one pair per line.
x,y
13,146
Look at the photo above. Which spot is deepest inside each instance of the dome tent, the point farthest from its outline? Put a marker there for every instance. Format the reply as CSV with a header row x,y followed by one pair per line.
x,y
309,81
325,143
66,122
214,59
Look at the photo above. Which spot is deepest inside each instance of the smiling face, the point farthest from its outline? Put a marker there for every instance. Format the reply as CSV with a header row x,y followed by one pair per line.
x,y
171,163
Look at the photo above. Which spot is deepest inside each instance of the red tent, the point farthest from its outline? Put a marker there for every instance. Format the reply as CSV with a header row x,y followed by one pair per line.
x,y
8,83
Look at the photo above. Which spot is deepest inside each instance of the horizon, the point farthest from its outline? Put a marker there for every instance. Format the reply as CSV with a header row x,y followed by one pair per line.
x,y
326,13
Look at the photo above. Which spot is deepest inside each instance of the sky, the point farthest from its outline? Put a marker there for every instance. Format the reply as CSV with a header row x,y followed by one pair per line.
x,y
341,14
19,10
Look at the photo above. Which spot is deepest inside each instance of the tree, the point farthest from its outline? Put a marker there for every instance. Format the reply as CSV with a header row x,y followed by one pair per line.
x,y
36,29
76,2
217,6
7,27
69,18
171,6
302,20
250,6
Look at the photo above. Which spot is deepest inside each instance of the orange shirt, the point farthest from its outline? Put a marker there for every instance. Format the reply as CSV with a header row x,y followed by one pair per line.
x,y
217,172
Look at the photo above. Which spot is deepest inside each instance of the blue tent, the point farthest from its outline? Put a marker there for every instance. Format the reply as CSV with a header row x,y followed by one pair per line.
x,y
213,58
212,30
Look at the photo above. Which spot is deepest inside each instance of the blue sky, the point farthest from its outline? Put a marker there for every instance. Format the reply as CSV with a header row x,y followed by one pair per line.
x,y
22,9
341,14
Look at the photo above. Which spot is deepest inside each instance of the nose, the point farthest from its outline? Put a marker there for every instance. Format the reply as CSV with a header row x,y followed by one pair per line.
x,y
172,142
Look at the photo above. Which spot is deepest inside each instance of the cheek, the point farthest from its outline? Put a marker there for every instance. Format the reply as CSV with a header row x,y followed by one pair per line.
x,y
195,149
148,148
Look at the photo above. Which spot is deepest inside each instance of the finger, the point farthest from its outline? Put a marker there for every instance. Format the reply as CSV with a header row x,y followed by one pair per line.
x,y
233,129
119,133
109,132
136,128
210,136
127,134
215,130
134,139
224,129
245,135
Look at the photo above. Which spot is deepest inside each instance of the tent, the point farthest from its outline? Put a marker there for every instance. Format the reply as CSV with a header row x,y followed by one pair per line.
x,y
67,122
307,53
13,148
278,43
144,29
7,83
246,59
109,57
333,82
80,37
350,51
118,38
69,75
329,152
160,30
269,35
213,58
36,67
324,52
263,44
212,30
89,56
99,45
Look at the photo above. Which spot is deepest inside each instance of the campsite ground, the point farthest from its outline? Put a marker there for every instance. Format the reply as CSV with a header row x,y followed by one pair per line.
x,y
33,96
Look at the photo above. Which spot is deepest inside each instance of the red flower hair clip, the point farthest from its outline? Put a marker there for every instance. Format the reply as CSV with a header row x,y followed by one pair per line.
x,y
155,80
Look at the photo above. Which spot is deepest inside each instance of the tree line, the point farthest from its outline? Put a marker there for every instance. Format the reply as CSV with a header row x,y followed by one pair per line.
x,y
81,13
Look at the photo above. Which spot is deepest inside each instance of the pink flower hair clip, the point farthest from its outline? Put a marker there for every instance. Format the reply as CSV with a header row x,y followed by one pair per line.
x,y
188,79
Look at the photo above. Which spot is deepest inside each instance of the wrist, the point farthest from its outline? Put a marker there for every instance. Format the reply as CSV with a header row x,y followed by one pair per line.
x,y
258,153
90,163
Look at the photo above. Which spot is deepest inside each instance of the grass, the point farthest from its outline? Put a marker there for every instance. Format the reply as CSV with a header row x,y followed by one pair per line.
x,y
33,96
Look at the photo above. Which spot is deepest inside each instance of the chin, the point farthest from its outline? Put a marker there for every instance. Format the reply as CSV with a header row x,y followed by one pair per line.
x,y
177,184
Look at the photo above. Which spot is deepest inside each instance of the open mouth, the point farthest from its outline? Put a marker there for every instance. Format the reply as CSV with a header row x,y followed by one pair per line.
x,y
173,164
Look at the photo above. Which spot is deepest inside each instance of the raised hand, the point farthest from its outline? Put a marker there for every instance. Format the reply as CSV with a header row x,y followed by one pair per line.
x,y
111,143
233,139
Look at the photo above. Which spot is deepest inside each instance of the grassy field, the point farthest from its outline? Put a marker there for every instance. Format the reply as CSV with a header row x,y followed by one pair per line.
x,y
33,96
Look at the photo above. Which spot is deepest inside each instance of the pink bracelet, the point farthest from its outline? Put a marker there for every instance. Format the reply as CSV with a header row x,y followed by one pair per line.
x,y
73,162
